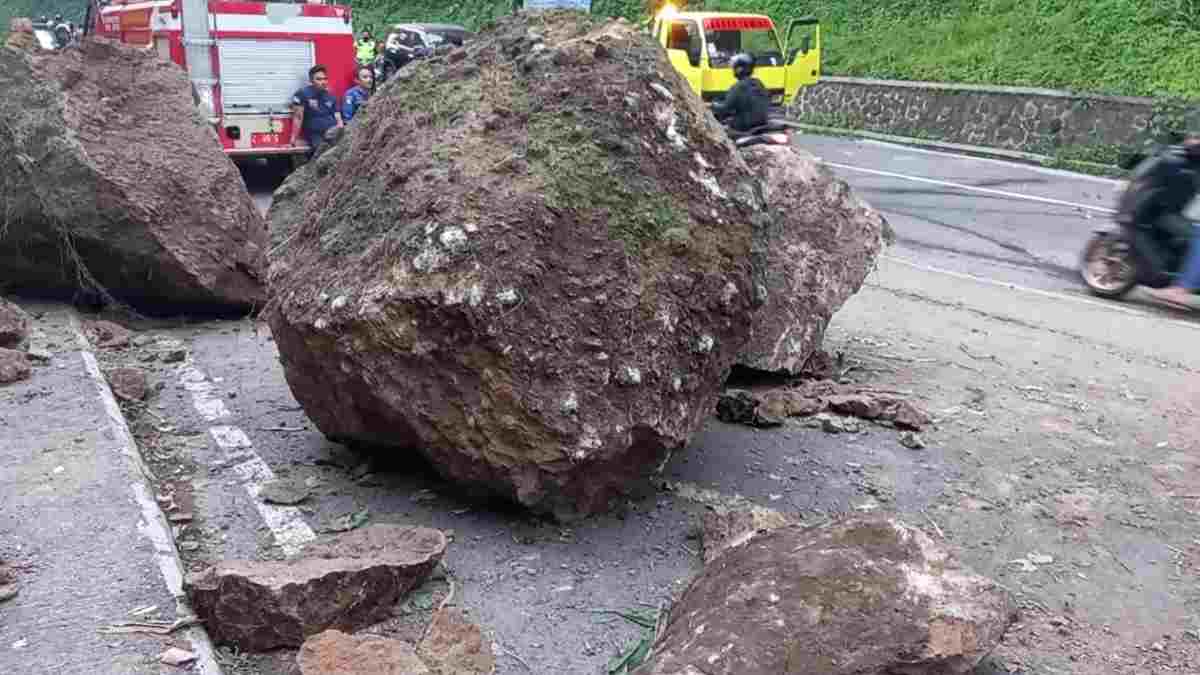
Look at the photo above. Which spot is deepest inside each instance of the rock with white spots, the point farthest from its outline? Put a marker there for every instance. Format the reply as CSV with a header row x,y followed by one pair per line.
x,y
821,243
862,596
545,330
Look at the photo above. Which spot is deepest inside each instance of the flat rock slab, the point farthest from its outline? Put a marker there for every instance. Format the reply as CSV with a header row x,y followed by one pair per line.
x,y
14,366
333,652
344,582
14,325
862,596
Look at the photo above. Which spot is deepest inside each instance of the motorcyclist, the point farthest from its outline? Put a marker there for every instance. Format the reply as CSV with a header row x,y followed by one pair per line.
x,y
747,103
1161,188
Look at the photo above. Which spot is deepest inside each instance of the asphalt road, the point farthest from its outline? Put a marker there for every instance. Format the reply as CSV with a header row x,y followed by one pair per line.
x,y
998,220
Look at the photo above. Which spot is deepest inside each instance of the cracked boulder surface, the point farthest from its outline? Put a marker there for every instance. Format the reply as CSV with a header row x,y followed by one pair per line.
x,y
820,243
116,188
860,596
346,582
533,277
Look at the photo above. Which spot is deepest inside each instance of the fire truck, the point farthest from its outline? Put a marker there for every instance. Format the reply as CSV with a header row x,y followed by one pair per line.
x,y
244,59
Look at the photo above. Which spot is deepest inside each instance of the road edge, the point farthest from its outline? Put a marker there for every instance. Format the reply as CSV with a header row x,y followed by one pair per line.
x,y
154,525
1044,161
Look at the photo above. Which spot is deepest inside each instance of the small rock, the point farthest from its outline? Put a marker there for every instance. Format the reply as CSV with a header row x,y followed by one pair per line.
x,y
128,384
863,406
1040,559
908,416
108,335
14,325
174,355
333,652
912,440
142,340
14,366
281,491
724,528
8,592
455,646
832,424
39,356
738,406
176,657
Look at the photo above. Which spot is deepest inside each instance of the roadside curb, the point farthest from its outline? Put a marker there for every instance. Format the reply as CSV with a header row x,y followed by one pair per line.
x,y
155,526
957,148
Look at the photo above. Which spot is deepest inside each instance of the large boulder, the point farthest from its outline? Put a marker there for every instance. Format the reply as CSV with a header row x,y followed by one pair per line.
x,y
862,596
532,260
347,582
821,243
114,185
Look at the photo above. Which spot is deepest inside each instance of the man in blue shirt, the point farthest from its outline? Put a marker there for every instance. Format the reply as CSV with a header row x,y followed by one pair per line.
x,y
315,111
364,81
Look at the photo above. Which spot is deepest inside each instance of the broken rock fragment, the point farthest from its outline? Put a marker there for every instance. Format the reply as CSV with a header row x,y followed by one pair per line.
x,y
724,528
333,652
455,646
345,582
738,406
548,338
861,596
14,325
128,384
818,246
108,335
14,366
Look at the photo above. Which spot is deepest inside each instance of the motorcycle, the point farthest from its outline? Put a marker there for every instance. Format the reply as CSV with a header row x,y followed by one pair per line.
x,y
774,132
1131,253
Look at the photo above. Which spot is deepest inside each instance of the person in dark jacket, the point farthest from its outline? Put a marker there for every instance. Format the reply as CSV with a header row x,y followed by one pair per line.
x,y
747,103
1173,180
315,113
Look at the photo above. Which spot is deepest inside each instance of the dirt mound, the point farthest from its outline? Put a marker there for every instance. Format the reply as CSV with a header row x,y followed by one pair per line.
x,y
114,184
531,260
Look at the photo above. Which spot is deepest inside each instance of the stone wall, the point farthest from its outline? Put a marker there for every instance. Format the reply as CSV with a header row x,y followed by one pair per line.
x,y
1042,121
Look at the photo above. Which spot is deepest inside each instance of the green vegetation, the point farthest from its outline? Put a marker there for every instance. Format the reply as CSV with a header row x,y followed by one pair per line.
x,y
72,10
1130,47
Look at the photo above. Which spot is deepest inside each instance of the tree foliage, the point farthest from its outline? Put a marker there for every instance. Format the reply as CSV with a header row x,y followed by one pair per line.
x,y
1132,47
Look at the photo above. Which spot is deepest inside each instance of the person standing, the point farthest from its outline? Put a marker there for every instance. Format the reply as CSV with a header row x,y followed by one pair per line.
x,y
315,112
364,50
364,84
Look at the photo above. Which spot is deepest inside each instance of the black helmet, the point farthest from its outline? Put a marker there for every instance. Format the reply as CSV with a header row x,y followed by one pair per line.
x,y
58,18
743,65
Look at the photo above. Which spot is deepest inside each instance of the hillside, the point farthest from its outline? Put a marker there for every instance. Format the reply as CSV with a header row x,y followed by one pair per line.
x,y
72,10
1131,47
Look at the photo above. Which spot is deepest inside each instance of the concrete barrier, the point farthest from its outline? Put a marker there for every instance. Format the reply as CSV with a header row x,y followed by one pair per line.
x,y
1039,121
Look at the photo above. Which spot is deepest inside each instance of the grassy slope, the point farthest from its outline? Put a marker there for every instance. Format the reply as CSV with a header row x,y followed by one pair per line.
x,y
1134,47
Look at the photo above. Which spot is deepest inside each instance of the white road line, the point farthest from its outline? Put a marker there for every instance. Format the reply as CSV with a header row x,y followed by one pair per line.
x,y
1111,306
286,522
153,524
971,188
1001,162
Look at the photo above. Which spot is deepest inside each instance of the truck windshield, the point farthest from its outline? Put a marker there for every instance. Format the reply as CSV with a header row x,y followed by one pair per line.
x,y
727,37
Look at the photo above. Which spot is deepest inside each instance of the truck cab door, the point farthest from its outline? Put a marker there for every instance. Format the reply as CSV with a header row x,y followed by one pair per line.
x,y
684,42
803,45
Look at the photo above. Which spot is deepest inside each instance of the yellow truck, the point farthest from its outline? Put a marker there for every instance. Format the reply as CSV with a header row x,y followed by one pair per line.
x,y
701,45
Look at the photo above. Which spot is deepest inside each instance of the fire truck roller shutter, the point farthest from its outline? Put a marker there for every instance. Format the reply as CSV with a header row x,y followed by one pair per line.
x,y
260,76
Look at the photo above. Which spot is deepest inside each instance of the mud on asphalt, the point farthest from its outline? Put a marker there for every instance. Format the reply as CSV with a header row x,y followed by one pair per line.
x,y
1062,468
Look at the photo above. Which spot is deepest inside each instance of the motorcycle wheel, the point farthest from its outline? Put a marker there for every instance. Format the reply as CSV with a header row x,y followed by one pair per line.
x,y
1108,266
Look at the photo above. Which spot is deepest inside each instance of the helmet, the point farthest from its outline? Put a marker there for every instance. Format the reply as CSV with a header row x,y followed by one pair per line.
x,y
743,65
58,18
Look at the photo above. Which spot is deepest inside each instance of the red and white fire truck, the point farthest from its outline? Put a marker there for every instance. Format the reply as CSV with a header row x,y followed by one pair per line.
x,y
244,59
